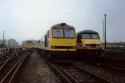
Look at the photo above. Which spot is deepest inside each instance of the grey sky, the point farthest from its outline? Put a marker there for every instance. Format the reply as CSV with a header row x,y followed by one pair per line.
x,y
30,19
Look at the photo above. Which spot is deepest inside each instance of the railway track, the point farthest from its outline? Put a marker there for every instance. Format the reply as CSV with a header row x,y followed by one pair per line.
x,y
5,57
69,73
113,64
10,67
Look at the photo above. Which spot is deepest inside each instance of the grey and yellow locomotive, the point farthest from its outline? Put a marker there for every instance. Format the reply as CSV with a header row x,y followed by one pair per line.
x,y
88,42
60,41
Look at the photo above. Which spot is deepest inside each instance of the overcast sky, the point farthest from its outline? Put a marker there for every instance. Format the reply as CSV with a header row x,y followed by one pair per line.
x,y
30,19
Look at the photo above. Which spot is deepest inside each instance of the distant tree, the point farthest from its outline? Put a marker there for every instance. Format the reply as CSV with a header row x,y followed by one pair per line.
x,y
38,41
0,45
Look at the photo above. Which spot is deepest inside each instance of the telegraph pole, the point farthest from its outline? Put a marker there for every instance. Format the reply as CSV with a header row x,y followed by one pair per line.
x,y
9,43
3,43
3,40
105,30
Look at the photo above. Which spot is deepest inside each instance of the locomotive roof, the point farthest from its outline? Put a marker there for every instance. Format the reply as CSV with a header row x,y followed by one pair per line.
x,y
29,41
88,31
62,26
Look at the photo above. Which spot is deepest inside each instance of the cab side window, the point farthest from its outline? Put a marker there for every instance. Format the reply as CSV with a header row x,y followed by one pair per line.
x,y
48,35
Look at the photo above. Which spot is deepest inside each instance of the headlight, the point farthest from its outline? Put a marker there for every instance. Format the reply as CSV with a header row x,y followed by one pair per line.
x,y
74,47
83,45
53,47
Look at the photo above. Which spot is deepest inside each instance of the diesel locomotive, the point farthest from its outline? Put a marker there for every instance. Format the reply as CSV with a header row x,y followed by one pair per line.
x,y
60,41
89,43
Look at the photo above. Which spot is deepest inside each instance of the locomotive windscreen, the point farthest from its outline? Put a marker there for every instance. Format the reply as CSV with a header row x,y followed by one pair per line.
x,y
57,32
89,36
64,33
69,33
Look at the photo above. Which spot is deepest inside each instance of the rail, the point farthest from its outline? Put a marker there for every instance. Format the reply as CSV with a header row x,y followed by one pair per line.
x,y
72,74
10,67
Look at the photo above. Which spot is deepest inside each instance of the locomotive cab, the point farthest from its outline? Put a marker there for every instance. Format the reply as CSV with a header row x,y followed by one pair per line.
x,y
88,42
60,41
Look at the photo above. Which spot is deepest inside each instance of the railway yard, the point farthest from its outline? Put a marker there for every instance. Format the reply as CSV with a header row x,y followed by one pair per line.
x,y
64,56
26,66
62,41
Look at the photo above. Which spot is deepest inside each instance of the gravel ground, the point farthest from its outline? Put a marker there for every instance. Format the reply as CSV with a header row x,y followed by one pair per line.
x,y
112,77
117,57
35,70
